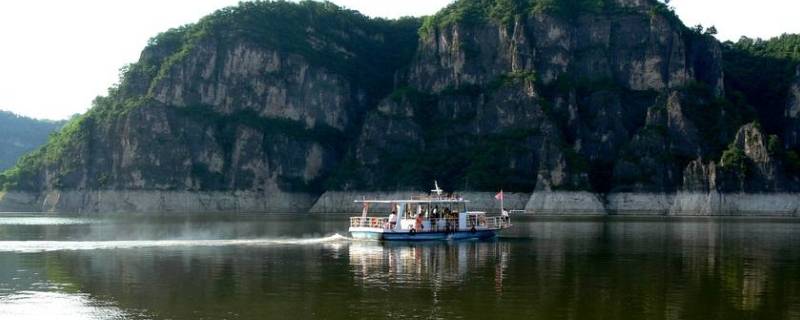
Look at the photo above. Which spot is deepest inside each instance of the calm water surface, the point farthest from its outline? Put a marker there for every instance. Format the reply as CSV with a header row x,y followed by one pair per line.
x,y
302,267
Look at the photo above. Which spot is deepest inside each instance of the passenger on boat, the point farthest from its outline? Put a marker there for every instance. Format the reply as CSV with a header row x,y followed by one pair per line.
x,y
392,220
418,223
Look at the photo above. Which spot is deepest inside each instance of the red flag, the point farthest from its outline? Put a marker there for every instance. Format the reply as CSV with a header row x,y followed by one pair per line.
x,y
499,196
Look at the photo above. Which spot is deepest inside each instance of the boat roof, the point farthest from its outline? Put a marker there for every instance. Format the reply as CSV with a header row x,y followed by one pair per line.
x,y
433,200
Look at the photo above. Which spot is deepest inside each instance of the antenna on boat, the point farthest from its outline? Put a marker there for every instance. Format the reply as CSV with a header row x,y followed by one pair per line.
x,y
438,191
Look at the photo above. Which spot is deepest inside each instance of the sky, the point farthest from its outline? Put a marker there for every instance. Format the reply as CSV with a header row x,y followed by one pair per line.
x,y
56,56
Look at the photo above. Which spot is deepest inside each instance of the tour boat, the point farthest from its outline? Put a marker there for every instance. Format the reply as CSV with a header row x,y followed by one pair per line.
x,y
431,217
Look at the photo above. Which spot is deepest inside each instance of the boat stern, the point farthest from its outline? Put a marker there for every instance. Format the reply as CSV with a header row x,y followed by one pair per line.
x,y
361,233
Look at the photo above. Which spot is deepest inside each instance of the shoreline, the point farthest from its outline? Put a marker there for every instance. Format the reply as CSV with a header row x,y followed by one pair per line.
x,y
684,204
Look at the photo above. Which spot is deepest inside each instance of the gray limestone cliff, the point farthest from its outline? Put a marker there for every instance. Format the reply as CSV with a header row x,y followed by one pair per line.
x,y
596,101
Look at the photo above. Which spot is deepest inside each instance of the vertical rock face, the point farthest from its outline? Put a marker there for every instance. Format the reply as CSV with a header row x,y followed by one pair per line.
x,y
265,82
462,138
263,112
160,148
700,177
637,49
569,95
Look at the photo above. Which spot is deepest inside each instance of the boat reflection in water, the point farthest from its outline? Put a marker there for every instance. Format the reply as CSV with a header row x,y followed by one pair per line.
x,y
433,263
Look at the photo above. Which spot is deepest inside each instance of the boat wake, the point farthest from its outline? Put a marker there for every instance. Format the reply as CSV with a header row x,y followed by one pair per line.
x,y
46,246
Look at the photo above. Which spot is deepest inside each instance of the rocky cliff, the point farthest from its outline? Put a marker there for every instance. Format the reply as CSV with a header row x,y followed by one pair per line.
x,y
593,102
258,97
615,97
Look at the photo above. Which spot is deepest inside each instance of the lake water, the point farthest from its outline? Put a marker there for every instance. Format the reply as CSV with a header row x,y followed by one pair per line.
x,y
304,267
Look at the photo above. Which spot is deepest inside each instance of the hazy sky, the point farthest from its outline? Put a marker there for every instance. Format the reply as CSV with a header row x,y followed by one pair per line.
x,y
56,55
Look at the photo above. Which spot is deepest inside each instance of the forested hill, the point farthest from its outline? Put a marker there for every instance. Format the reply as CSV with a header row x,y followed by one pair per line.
x,y
762,72
20,135
526,95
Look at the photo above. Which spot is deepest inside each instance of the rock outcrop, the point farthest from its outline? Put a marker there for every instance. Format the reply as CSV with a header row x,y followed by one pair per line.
x,y
748,165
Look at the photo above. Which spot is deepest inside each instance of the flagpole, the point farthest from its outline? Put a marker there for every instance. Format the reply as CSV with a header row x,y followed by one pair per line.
x,y
502,197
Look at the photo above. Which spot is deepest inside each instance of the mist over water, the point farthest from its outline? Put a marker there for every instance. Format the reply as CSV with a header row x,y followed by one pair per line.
x,y
303,267
129,234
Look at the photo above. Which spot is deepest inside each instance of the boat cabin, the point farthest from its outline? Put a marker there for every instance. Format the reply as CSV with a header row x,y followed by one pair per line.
x,y
433,217
424,215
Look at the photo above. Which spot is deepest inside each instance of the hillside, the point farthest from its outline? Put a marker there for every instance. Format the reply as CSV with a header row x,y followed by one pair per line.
x,y
20,135
279,102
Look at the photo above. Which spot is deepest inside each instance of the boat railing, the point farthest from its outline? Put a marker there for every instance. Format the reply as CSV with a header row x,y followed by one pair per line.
x,y
448,224
498,222
368,222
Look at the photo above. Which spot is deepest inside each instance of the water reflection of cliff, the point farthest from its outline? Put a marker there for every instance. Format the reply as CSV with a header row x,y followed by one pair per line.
x,y
675,268
637,269
437,263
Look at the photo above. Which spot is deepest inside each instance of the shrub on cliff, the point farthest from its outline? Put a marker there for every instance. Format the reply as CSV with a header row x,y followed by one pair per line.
x,y
735,159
